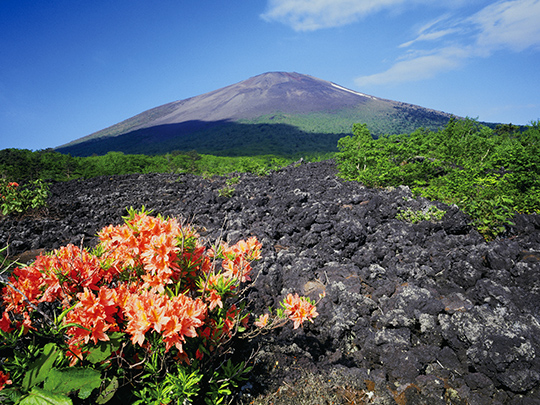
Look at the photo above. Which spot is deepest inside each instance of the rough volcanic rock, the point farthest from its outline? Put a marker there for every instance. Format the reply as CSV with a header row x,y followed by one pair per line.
x,y
414,313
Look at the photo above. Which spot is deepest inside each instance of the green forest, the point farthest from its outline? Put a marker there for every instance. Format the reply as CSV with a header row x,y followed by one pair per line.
x,y
22,165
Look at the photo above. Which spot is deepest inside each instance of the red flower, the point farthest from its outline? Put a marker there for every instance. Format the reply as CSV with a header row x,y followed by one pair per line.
x,y
4,379
299,309
5,323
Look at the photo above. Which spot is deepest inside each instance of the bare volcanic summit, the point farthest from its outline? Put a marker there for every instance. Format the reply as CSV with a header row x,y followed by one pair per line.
x,y
272,113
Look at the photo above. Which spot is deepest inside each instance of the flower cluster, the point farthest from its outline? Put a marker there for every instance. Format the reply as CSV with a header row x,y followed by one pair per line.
x,y
10,187
295,308
148,275
4,380
299,309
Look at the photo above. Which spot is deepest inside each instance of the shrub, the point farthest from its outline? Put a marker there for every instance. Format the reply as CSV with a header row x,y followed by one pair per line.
x,y
149,312
489,174
18,199
430,214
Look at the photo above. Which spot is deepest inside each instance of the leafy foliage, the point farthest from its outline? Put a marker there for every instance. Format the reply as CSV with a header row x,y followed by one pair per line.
x,y
490,174
18,199
22,165
431,214
150,309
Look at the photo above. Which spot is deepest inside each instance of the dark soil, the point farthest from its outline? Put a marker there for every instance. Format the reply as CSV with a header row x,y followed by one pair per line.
x,y
426,313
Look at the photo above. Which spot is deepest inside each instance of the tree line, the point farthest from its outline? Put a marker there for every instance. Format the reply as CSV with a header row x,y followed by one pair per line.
x,y
491,174
23,165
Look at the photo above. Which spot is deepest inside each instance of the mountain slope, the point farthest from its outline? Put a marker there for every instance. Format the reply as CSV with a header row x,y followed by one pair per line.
x,y
269,113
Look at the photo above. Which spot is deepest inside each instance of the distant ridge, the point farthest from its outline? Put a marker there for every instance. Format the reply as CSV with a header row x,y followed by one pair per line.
x,y
272,113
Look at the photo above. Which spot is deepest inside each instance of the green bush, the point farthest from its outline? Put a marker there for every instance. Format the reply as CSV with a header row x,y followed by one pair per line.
x,y
490,174
22,165
19,199
431,214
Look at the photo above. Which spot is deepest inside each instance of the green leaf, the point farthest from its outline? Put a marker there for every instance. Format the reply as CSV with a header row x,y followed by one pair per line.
x,y
58,320
40,369
103,350
109,391
14,394
42,397
84,380
99,353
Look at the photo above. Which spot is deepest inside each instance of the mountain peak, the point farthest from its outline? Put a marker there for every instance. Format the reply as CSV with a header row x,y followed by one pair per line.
x,y
267,93
296,98
272,78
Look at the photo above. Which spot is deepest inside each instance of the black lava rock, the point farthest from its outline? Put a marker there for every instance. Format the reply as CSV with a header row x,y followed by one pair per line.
x,y
413,313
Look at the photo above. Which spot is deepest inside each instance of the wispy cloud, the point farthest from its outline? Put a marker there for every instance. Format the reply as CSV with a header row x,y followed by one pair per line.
x,y
441,45
507,24
428,37
310,15
514,25
431,31
417,68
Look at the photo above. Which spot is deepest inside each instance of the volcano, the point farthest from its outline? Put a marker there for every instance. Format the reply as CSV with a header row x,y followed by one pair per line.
x,y
272,113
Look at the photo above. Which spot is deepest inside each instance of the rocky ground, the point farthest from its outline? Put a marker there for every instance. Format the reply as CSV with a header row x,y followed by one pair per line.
x,y
426,313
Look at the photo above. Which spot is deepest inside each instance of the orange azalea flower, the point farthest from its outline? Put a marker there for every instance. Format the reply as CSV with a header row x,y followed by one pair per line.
x,y
299,309
160,253
138,325
75,352
98,331
95,313
291,303
214,300
107,299
262,321
157,313
188,316
250,248
152,243
5,323
175,317
192,311
210,290
238,268
26,323
237,258
149,253
230,320
29,281
4,380
254,247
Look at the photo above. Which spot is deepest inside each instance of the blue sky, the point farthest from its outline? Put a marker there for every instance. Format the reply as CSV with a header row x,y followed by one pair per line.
x,y
70,67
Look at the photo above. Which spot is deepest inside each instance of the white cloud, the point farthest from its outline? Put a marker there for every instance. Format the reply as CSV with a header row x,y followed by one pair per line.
x,y
417,68
310,15
430,36
506,24
441,45
509,24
